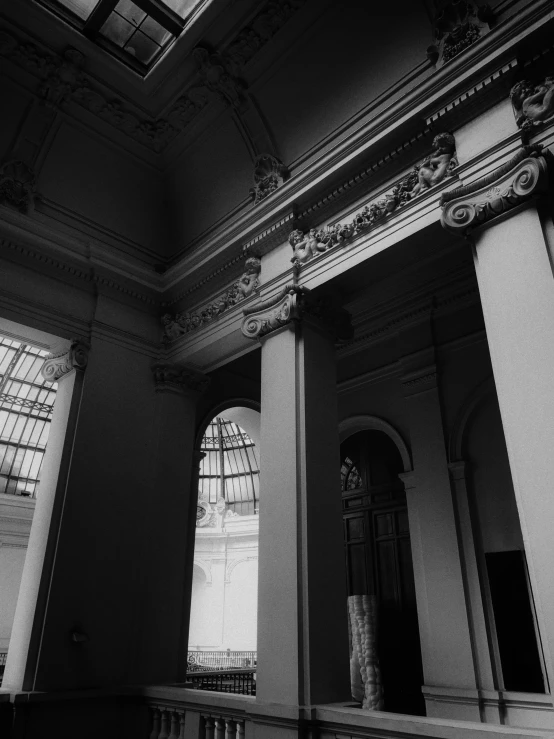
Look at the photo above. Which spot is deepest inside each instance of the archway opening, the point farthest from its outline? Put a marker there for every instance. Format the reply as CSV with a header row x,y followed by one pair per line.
x,y
223,620
386,665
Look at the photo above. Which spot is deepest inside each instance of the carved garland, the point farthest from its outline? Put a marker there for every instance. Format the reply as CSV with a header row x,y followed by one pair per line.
x,y
515,182
429,173
243,288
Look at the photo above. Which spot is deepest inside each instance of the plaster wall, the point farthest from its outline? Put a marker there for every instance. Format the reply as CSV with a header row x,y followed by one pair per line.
x,y
97,187
208,181
344,62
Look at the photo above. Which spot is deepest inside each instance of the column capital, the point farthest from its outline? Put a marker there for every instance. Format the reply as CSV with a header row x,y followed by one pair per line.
x,y
177,379
515,182
294,303
59,364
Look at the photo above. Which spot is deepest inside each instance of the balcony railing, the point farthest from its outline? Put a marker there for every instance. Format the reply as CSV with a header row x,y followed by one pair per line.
x,y
199,660
3,657
242,682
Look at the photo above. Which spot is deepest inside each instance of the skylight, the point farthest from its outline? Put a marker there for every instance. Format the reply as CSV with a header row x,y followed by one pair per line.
x,y
137,32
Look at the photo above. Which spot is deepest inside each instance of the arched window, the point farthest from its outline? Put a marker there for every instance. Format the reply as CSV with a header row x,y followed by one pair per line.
x,y
230,469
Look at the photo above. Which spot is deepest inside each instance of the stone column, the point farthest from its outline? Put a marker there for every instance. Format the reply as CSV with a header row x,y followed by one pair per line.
x,y
513,244
302,609
166,608
67,369
446,643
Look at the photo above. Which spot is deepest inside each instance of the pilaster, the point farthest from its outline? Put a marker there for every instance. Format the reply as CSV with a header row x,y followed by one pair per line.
x,y
513,249
446,643
67,369
302,624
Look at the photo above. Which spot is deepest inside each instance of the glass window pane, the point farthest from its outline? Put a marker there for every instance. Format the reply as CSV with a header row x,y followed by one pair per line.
x,y
142,48
154,31
130,12
117,29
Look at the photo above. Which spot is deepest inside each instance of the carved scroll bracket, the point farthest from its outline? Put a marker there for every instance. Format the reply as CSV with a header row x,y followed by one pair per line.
x,y
294,303
523,177
180,380
58,365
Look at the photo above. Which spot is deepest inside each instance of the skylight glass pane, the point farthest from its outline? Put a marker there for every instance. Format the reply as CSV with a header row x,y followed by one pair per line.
x,y
130,12
142,47
82,8
117,29
153,30
182,7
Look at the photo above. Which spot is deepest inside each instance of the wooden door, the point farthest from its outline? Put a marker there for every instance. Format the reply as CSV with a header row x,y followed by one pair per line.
x,y
379,561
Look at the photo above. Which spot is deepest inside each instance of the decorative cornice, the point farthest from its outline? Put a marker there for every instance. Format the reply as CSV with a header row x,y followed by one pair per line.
x,y
292,304
515,182
58,365
270,237
180,380
86,274
246,286
432,171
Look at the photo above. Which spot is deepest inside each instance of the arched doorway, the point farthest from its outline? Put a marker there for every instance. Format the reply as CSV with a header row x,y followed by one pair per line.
x,y
379,562
223,620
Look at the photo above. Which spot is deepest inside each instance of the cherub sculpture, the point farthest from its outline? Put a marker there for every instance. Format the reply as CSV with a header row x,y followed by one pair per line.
x,y
434,169
172,330
249,281
304,247
533,104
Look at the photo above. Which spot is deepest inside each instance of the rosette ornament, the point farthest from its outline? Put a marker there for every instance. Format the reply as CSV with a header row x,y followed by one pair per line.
x,y
522,178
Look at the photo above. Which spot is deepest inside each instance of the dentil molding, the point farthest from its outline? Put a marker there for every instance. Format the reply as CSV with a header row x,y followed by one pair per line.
x,y
58,365
523,177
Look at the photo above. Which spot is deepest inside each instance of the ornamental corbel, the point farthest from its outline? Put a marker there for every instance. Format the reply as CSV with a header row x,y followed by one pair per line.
x,y
525,176
177,379
272,314
294,303
58,365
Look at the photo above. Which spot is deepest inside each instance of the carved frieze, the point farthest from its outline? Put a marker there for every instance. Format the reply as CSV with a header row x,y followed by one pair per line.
x,y
293,303
269,174
65,79
17,186
523,177
430,172
217,78
457,24
176,379
243,288
533,103
58,365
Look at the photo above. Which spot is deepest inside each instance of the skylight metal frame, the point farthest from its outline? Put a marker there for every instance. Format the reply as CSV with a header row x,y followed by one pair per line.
x,y
155,9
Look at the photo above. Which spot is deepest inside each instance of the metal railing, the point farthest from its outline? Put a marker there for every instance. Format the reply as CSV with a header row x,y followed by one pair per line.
x,y
200,661
241,682
3,658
